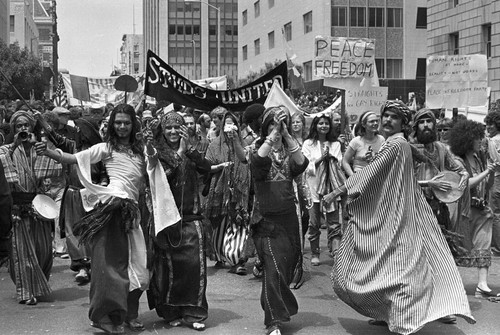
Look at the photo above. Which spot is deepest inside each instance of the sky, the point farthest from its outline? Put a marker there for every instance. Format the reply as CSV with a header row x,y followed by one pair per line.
x,y
91,32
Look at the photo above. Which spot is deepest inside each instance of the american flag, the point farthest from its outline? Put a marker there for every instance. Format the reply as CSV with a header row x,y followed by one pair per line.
x,y
60,97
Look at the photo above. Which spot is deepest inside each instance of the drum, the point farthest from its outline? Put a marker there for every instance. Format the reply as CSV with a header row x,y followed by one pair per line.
x,y
45,207
454,194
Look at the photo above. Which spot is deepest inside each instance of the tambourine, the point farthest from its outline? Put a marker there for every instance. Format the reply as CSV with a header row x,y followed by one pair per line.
x,y
45,208
454,194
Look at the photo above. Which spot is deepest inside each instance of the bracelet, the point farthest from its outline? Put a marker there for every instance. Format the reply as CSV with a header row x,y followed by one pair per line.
x,y
151,156
295,149
60,152
268,142
271,139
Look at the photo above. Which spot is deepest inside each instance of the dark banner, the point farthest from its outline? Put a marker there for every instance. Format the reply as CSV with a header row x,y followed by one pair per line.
x,y
164,83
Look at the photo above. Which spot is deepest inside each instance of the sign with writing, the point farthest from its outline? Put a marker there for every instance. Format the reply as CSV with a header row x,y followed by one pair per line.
x,y
164,83
456,81
360,96
343,57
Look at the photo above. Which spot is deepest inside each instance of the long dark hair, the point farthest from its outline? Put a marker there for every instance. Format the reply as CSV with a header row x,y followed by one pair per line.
x,y
462,135
331,136
111,137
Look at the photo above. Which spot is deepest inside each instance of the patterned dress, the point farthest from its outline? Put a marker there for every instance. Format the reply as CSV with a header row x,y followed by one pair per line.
x,y
393,263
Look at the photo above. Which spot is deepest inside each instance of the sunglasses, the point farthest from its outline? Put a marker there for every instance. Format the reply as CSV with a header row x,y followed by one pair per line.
x,y
443,129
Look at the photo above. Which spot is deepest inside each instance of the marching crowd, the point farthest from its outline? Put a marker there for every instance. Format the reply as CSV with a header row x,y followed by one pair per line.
x,y
144,197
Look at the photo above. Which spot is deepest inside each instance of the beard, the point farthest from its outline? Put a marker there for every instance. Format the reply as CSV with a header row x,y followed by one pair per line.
x,y
426,136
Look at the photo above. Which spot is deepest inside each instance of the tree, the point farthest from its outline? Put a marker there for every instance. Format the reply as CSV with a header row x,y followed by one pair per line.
x,y
255,75
23,69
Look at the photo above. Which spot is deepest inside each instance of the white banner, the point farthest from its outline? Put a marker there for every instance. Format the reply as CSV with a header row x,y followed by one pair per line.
x,y
456,81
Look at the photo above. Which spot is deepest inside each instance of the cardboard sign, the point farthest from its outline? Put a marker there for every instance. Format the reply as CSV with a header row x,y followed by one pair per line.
x,y
456,81
342,57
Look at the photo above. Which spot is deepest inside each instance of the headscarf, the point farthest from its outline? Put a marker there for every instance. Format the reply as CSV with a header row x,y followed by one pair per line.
x,y
171,118
269,114
424,113
398,107
18,114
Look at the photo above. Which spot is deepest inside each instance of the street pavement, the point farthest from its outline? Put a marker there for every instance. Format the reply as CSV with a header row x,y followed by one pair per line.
x,y
234,307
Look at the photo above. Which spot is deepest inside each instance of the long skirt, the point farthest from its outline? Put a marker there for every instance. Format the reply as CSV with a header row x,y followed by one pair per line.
x,y
31,256
277,241
118,267
179,273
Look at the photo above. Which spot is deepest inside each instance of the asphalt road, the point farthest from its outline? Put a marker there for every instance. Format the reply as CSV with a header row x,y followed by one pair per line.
x,y
234,307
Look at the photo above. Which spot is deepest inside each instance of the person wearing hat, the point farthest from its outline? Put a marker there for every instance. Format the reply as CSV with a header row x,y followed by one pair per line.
x,y
393,263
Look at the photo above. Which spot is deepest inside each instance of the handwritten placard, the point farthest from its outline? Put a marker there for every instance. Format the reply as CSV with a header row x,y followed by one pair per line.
x,y
342,57
456,81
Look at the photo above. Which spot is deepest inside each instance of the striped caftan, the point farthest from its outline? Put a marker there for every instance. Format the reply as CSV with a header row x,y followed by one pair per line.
x,y
393,263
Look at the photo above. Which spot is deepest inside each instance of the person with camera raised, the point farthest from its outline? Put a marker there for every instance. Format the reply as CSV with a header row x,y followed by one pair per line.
x,y
31,254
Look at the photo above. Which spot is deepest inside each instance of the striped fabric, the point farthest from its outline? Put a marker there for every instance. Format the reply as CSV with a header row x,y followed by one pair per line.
x,y
393,263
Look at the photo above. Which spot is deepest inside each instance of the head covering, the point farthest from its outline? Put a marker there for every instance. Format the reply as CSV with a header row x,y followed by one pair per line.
x,y
171,118
17,115
253,112
61,110
424,113
365,117
147,114
397,107
269,114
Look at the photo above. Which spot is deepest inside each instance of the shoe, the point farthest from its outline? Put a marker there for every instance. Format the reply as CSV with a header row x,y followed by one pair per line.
x,y
134,325
219,265
485,294
449,319
377,323
274,330
176,323
241,270
315,261
199,326
82,277
109,327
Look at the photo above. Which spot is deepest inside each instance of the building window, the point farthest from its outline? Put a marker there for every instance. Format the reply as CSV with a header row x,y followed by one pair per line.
x,y
453,3
380,65
358,16
394,68
376,17
421,18
245,52
12,23
308,22
256,45
421,68
270,38
394,17
44,34
287,31
256,8
454,44
487,40
307,66
245,17
339,15
180,30
271,3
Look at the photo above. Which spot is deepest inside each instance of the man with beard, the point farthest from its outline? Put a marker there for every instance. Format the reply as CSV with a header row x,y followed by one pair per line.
x,y
434,158
199,142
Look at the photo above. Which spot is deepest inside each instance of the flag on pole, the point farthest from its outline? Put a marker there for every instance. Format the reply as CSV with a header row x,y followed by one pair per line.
x,y
60,97
294,76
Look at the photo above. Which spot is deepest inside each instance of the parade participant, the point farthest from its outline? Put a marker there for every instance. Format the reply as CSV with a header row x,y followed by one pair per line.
x,y
227,200
179,269
216,115
476,218
492,121
443,127
112,230
364,146
199,142
276,161
393,263
323,151
299,131
203,125
434,157
31,253
5,217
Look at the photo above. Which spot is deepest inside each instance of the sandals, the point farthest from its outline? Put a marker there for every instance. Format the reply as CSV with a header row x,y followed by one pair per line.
x,y
109,327
485,294
199,326
274,330
134,325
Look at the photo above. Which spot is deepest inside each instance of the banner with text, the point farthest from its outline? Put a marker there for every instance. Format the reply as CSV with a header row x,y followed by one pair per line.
x,y
360,96
164,83
343,57
456,81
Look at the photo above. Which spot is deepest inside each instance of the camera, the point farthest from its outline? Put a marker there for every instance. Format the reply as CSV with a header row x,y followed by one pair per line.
x,y
23,135
477,203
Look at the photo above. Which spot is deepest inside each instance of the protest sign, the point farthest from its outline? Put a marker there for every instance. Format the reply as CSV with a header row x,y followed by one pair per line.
x,y
456,81
343,57
164,83
360,96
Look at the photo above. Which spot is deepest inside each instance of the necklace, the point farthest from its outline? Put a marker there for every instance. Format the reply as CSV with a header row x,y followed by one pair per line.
x,y
278,156
125,148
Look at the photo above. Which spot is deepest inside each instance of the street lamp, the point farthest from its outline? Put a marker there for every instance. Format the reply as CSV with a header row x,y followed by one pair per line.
x,y
218,30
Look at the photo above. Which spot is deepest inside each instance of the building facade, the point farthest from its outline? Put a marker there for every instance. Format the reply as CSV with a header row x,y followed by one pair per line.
x,y
4,20
22,27
270,28
42,15
185,35
463,27
132,54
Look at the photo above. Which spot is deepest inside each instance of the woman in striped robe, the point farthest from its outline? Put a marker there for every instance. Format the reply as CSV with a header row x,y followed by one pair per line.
x,y
393,263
